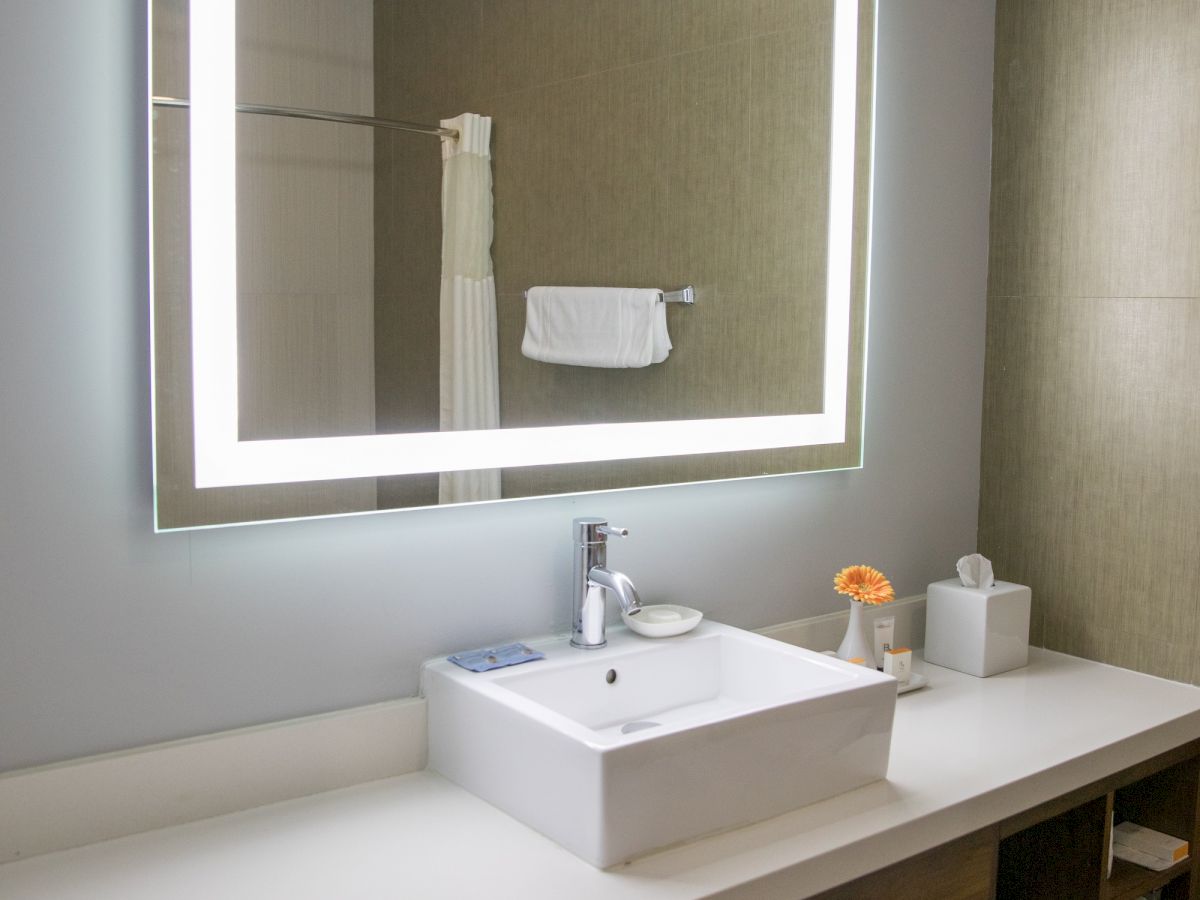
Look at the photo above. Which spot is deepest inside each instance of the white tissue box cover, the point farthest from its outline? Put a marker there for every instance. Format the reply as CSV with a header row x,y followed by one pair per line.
x,y
980,631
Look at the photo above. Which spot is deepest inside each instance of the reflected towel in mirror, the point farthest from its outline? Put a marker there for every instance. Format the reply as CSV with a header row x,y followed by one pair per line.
x,y
611,328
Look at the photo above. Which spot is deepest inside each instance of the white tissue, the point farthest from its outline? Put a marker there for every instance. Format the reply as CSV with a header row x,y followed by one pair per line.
x,y
976,571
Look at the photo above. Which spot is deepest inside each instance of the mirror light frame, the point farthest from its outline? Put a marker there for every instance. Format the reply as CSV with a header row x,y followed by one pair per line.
x,y
224,460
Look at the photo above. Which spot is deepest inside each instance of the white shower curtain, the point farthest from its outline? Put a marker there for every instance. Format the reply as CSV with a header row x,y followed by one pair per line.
x,y
470,378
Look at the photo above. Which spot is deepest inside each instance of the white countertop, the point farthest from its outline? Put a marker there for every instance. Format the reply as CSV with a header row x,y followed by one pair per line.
x,y
966,752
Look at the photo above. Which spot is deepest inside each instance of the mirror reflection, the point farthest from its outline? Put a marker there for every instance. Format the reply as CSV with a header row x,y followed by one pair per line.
x,y
631,144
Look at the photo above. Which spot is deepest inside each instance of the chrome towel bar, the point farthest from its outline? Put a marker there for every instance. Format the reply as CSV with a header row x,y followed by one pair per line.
x,y
685,295
320,116
682,295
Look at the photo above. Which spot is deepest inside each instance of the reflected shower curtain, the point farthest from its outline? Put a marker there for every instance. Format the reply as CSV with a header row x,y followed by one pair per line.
x,y
470,378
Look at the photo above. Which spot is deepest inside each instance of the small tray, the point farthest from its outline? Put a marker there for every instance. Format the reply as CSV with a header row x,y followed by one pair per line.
x,y
915,683
663,620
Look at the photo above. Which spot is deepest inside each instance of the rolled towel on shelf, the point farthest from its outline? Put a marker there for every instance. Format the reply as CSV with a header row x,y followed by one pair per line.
x,y
608,328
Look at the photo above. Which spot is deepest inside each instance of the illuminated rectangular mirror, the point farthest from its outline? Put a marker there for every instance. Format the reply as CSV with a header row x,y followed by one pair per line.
x,y
617,448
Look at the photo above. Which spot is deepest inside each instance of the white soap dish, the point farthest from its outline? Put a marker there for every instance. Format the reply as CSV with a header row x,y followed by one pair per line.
x,y
663,620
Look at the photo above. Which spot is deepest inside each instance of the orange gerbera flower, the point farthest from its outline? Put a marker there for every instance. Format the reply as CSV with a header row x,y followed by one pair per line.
x,y
864,584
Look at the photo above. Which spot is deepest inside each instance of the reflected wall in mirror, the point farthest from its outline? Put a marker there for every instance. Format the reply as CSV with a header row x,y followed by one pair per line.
x,y
634,143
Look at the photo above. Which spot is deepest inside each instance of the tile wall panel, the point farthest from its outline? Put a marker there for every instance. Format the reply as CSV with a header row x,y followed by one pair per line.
x,y
1090,488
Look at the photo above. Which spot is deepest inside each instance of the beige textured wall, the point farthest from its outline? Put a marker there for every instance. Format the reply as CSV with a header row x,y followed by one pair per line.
x,y
641,144
305,251
1090,470
414,69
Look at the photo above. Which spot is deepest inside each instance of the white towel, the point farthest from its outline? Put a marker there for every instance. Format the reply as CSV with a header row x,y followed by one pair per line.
x,y
611,328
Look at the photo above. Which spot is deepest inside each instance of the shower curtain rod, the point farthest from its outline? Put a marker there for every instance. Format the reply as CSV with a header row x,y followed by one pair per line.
x,y
320,116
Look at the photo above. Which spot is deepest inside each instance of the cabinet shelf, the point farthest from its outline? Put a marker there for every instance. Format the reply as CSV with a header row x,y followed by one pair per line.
x,y
1130,881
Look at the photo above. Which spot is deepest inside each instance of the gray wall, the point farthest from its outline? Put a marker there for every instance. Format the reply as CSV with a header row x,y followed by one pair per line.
x,y
111,636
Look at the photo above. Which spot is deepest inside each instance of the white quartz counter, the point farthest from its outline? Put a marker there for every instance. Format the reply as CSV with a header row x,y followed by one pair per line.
x,y
966,752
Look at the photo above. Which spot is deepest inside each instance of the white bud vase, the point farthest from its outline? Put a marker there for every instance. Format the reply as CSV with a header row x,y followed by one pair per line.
x,y
857,643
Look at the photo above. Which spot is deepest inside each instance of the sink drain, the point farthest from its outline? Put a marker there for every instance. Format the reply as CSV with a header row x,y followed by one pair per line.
x,y
631,727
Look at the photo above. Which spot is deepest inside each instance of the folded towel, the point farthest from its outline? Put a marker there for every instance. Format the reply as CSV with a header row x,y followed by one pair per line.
x,y
611,328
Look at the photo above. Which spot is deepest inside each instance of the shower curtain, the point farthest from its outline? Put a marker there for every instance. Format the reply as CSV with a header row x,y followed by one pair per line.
x,y
470,378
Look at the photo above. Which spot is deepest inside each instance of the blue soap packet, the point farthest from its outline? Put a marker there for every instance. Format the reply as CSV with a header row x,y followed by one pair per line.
x,y
495,657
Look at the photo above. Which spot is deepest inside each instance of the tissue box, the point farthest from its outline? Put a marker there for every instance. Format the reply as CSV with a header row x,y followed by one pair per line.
x,y
980,631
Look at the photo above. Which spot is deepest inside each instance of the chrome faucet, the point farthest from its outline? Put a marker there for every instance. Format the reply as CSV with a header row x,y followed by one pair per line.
x,y
593,580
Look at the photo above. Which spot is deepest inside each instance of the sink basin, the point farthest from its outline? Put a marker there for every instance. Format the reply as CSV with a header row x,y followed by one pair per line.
x,y
617,752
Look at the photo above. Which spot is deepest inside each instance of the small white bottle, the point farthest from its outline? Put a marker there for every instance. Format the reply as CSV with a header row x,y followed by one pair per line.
x,y
898,664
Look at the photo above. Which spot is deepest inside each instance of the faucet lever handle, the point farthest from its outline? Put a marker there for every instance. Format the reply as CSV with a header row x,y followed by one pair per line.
x,y
613,531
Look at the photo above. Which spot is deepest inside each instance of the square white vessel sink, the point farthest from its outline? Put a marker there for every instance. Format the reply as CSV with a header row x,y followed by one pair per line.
x,y
617,752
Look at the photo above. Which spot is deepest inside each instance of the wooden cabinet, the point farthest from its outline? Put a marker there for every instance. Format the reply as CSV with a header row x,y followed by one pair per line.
x,y
1165,801
1058,850
963,869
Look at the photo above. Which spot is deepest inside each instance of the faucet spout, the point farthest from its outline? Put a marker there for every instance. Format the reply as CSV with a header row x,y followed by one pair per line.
x,y
593,581
619,584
